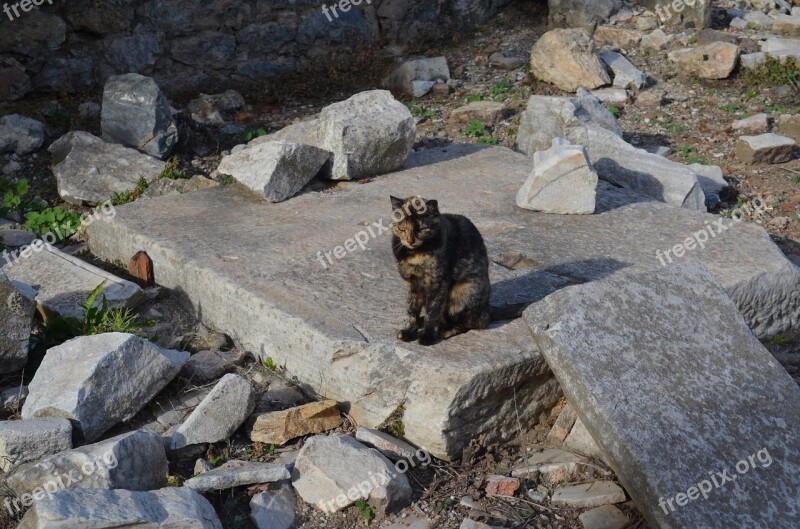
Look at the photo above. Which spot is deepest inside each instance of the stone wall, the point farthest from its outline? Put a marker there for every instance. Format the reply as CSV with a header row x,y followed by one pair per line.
x,y
189,44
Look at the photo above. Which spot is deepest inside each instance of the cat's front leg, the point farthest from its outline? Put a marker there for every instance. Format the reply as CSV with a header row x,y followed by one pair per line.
x,y
434,310
415,303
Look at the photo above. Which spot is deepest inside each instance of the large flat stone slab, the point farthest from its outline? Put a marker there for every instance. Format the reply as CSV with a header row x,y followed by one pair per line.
x,y
679,395
258,272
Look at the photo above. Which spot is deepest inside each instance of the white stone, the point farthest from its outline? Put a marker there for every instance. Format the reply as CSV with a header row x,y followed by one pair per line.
x,y
581,441
32,439
588,495
611,95
389,446
605,517
238,474
567,59
625,73
20,135
16,324
274,509
404,73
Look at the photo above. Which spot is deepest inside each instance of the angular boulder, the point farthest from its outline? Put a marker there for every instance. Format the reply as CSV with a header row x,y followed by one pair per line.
x,y
215,419
567,59
238,474
562,181
136,114
20,135
404,73
712,61
766,148
110,378
274,509
89,170
32,439
333,472
213,109
16,324
275,169
625,73
672,345
681,13
167,508
369,134
133,461
280,427
389,446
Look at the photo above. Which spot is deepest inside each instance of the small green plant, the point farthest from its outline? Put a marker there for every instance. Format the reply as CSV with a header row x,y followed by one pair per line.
x,y
778,108
751,93
615,111
269,363
226,180
119,199
775,72
61,223
271,449
693,40
687,153
216,460
476,129
503,87
365,509
729,107
13,196
781,340
174,481
474,98
251,134
420,112
173,170
487,141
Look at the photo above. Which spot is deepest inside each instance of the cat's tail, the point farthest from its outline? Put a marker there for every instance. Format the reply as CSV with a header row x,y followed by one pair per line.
x,y
508,312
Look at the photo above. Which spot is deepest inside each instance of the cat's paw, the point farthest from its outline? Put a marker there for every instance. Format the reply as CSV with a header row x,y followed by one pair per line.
x,y
427,339
407,335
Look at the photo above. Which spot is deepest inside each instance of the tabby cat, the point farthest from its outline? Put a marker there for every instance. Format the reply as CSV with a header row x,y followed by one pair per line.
x,y
444,262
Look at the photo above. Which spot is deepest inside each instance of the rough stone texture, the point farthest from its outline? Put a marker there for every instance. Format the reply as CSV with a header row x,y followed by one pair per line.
x,y
567,59
167,508
206,366
89,170
237,474
218,415
581,13
616,96
20,135
16,323
581,441
546,118
213,109
786,25
171,187
673,346
605,517
276,169
712,61
501,486
554,465
136,114
14,82
624,39
389,446
697,13
133,461
23,441
274,509
765,148
346,323
563,181
588,495
110,378
755,124
62,282
487,112
625,73
404,73
333,472
711,180
562,426
369,134
11,400
789,125
657,40
280,427
781,48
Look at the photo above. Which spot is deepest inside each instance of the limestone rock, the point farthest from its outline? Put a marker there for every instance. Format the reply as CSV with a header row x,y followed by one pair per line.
x,y
164,187
212,109
110,378
133,461
276,169
605,517
765,148
625,73
20,135
274,509
32,439
90,171
656,40
136,114
789,125
218,415
615,96
581,13
712,61
237,474
555,466
755,124
581,441
369,134
703,380
487,112
333,472
711,180
16,323
14,81
562,181
11,400
63,282
567,59
389,446
697,13
624,39
562,426
786,25
166,508
280,427
404,73
588,495
210,365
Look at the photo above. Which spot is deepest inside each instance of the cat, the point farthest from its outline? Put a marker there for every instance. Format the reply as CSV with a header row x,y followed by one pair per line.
x,y
443,260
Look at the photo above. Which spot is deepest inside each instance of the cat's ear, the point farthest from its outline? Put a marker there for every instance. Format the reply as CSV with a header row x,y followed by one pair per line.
x,y
432,205
397,203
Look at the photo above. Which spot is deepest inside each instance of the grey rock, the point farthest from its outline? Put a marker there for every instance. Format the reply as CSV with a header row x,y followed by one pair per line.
x,y
20,135
333,472
219,415
567,59
581,441
766,148
758,19
404,73
300,132
711,180
133,53
781,48
553,464
32,439
274,509
588,495
11,400
369,134
167,508
210,365
66,74
625,73
563,181
89,110
314,308
63,282
17,238
212,109
14,81
111,377
36,34
586,14
703,380
201,466
136,114
751,61
90,171
755,124
605,517
421,88
656,40
389,446
616,96
697,13
177,186
276,169
237,474
16,324
133,461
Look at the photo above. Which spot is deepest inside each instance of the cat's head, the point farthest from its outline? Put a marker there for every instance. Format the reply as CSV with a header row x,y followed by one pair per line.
x,y
414,220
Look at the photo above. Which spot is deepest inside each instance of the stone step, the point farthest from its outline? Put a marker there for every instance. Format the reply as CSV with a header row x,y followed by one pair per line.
x,y
258,272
